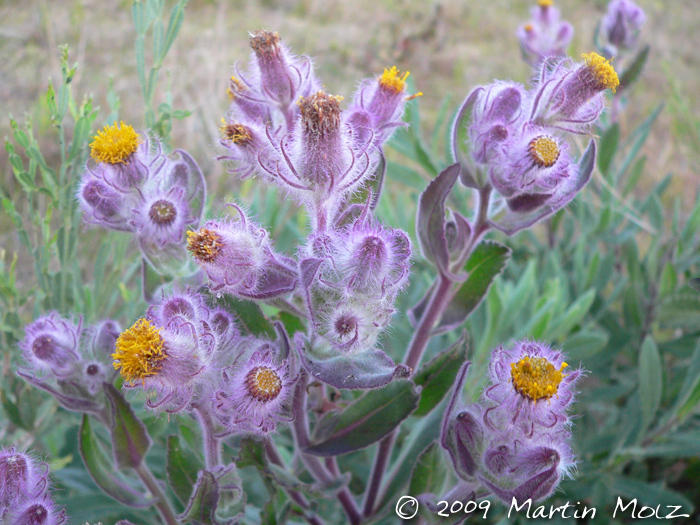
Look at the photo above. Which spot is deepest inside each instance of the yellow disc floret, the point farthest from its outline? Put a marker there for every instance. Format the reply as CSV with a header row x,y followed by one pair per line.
x,y
602,71
114,144
263,383
236,133
544,151
545,3
139,351
392,80
536,378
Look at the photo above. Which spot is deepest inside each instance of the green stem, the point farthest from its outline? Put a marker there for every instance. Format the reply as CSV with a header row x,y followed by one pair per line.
x,y
162,504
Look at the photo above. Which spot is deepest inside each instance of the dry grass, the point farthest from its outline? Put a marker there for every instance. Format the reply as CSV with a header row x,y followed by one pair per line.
x,y
448,46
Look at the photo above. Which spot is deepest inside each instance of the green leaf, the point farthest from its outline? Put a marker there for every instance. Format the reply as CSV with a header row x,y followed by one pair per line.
x,y
630,75
648,494
420,438
370,418
681,445
182,467
430,473
669,280
585,344
637,139
608,148
202,506
12,411
689,395
573,316
102,470
484,264
129,435
177,15
251,319
681,309
650,380
437,376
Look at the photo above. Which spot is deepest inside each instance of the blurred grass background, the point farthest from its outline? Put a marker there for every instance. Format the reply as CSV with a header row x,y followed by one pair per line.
x,y
449,47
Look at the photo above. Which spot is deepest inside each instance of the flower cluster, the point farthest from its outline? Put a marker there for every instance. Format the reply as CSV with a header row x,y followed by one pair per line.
x,y
620,27
546,35
284,128
238,258
516,138
132,186
68,360
516,440
24,491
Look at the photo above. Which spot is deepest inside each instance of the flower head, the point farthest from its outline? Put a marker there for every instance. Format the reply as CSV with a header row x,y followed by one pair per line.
x,y
139,351
530,386
21,477
36,511
51,345
115,144
546,35
161,217
256,392
621,25
569,97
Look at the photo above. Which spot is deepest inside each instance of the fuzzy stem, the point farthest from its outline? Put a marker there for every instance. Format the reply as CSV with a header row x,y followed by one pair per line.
x,y
419,342
211,444
162,504
316,468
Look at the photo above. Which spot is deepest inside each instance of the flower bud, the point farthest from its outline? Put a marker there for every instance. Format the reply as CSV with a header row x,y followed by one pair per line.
x,y
20,477
51,345
36,511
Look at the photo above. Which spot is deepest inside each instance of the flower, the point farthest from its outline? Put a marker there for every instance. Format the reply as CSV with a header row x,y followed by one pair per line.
x,y
114,144
529,387
36,511
21,477
571,98
379,104
161,217
546,35
51,345
256,392
621,25
238,258
165,361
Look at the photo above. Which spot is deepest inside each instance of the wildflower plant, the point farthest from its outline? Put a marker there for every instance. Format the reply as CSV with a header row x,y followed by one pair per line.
x,y
223,377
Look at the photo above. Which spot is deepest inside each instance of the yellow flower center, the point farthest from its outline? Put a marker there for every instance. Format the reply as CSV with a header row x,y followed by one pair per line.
x,y
602,71
528,28
139,351
263,383
204,244
236,133
535,377
545,3
114,144
544,151
392,80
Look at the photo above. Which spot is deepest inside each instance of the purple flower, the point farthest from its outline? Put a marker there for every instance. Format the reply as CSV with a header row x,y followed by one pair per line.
x,y
237,257
247,144
546,35
621,25
256,392
571,97
21,477
36,511
283,78
103,205
378,106
51,345
168,362
529,388
161,217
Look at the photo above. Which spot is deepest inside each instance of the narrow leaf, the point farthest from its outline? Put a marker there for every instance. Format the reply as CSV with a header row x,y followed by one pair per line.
x,y
367,420
202,506
129,435
650,380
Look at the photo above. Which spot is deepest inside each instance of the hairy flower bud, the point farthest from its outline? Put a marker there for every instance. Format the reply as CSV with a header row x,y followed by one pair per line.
x,y
21,477
36,511
51,345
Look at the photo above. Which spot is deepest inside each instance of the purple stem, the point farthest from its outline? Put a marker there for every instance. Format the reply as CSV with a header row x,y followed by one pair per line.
x,y
162,504
212,444
416,348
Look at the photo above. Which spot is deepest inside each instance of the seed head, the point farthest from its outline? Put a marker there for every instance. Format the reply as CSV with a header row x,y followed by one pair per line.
x,y
320,113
